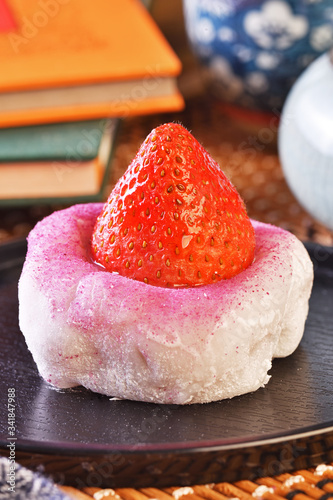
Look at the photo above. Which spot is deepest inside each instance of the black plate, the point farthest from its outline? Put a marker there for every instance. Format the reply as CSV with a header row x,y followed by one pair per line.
x,y
87,439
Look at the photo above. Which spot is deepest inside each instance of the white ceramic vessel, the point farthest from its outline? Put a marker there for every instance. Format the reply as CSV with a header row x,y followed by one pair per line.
x,y
306,139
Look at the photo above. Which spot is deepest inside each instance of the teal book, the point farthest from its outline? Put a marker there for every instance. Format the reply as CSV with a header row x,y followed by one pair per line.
x,y
70,166
72,141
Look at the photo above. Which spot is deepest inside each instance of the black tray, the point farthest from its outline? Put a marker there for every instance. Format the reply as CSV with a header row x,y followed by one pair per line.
x,y
85,438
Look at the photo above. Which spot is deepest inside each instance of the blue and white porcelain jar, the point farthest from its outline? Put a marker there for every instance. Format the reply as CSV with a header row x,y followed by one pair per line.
x,y
305,139
254,50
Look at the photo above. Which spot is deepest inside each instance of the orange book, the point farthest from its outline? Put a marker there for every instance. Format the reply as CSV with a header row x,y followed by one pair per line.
x,y
77,59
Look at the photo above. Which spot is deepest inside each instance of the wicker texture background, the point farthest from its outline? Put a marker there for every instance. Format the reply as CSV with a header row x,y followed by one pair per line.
x,y
251,164
248,155
315,484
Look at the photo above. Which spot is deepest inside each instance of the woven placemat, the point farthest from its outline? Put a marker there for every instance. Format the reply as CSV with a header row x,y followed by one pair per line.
x,y
255,170
248,156
301,485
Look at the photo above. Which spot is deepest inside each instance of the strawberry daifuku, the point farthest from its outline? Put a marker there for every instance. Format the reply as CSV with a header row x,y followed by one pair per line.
x,y
108,295
174,219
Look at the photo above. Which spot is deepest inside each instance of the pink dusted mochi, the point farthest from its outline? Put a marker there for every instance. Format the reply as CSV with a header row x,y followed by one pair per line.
x,y
124,338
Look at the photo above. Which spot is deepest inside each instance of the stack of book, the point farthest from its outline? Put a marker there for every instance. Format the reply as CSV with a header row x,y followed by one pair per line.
x,y
70,71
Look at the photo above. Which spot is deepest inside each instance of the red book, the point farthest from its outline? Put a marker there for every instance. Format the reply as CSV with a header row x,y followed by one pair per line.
x,y
7,21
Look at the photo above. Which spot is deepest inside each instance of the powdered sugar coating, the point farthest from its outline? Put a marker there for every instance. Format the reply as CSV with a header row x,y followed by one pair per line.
x,y
131,340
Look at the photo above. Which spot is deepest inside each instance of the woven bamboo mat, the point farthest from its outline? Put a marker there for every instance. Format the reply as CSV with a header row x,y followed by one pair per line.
x,y
248,156
254,168
311,484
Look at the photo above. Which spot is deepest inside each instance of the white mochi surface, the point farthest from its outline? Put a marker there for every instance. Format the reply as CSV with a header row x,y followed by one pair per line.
x,y
126,339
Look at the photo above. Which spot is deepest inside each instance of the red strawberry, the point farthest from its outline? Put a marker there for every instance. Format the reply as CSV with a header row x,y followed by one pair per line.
x,y
173,218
